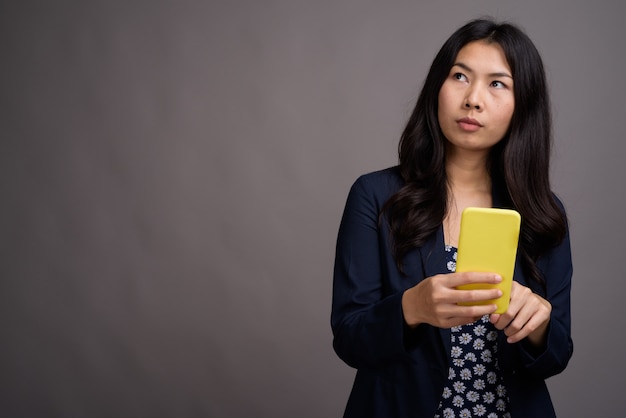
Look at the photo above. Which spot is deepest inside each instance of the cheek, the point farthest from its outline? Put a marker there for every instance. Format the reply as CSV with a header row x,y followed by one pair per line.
x,y
444,103
444,97
505,115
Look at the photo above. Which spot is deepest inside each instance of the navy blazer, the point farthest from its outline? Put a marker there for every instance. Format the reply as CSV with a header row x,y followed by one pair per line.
x,y
401,372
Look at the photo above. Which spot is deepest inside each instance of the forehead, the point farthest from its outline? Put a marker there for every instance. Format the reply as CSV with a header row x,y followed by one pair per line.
x,y
482,56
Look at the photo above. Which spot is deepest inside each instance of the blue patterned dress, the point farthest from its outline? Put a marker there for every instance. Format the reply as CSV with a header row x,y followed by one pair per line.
x,y
475,387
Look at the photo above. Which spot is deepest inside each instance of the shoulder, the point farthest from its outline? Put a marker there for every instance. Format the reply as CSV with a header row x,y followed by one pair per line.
x,y
383,183
371,191
558,202
561,253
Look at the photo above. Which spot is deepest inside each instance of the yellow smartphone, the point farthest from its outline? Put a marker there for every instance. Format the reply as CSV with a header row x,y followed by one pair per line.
x,y
488,243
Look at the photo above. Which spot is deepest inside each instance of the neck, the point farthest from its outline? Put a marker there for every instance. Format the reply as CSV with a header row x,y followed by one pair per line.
x,y
469,184
467,172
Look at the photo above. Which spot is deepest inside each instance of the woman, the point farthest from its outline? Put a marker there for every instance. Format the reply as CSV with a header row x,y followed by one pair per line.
x,y
479,136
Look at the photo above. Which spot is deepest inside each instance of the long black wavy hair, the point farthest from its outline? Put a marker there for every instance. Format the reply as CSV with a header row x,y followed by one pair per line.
x,y
519,163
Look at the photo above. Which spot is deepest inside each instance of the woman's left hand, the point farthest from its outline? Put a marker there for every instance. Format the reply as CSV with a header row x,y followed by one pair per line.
x,y
528,316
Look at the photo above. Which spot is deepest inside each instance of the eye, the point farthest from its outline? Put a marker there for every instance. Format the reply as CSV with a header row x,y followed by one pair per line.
x,y
459,76
498,84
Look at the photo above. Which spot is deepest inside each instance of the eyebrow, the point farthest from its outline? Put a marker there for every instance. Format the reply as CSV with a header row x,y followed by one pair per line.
x,y
496,74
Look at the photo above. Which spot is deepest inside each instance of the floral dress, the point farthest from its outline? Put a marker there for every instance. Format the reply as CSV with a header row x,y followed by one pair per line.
x,y
475,387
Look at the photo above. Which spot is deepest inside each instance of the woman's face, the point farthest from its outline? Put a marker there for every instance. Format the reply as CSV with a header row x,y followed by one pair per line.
x,y
476,101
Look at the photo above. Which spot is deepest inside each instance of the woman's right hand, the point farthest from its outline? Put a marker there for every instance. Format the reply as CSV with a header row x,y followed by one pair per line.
x,y
435,299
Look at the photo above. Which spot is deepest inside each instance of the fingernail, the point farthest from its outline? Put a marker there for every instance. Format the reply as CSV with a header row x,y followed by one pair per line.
x,y
498,278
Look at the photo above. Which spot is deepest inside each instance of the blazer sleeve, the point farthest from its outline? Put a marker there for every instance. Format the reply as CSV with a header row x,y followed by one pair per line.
x,y
367,320
557,269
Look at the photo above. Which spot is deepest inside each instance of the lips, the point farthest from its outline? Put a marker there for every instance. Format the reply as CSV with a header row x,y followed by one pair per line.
x,y
469,124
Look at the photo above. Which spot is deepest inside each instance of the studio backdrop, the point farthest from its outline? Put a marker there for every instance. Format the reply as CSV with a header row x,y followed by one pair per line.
x,y
173,173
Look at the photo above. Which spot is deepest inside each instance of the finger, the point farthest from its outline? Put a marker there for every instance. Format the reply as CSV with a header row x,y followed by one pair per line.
x,y
518,323
517,301
477,295
473,311
521,309
504,320
539,315
443,294
473,277
532,324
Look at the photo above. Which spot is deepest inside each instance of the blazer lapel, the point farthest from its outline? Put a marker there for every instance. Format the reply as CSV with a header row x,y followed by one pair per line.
x,y
433,259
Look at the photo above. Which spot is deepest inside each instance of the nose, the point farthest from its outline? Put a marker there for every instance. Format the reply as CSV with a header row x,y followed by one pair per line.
x,y
473,99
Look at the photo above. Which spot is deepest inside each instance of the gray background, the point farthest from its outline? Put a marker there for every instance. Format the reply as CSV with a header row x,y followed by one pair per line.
x,y
172,175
